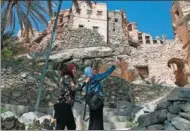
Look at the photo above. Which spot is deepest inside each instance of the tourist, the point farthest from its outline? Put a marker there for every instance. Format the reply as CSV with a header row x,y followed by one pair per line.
x,y
63,108
92,77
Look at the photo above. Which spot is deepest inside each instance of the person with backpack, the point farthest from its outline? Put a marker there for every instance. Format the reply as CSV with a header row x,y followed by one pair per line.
x,y
94,95
63,108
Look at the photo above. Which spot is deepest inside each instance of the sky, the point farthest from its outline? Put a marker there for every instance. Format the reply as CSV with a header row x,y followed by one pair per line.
x,y
152,17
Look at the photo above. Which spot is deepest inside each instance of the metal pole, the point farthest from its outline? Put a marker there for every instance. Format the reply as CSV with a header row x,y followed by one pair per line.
x,y
47,57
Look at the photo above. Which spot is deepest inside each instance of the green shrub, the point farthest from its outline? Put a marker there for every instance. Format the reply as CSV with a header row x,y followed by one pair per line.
x,y
7,53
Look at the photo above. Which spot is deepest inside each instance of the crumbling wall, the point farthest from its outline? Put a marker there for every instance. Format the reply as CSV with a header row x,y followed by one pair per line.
x,y
156,59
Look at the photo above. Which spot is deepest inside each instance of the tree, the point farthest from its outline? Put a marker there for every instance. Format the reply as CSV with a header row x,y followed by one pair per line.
x,y
27,13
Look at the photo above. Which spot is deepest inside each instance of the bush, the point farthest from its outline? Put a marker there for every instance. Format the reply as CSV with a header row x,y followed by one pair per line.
x,y
6,53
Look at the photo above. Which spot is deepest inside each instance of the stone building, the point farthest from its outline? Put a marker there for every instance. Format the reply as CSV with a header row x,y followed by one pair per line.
x,y
142,38
115,27
179,10
94,18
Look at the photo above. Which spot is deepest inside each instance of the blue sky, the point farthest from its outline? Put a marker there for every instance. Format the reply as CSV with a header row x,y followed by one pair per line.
x,y
151,16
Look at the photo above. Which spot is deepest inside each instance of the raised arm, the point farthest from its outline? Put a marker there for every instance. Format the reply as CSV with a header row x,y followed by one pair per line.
x,y
102,76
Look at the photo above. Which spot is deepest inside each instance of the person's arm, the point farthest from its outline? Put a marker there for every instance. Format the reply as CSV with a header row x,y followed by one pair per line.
x,y
106,73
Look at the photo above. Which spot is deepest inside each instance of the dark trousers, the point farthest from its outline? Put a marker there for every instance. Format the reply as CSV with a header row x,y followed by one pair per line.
x,y
96,119
61,125
65,117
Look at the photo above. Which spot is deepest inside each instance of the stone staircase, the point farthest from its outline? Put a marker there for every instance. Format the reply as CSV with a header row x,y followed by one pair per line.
x,y
114,118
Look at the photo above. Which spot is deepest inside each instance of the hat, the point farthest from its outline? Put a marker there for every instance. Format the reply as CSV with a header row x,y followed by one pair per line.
x,y
88,72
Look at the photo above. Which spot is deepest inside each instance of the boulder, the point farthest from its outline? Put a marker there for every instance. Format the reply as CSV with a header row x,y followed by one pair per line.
x,y
43,123
9,121
170,116
180,123
81,53
156,127
186,107
153,118
174,109
30,117
179,94
163,105
168,126
185,115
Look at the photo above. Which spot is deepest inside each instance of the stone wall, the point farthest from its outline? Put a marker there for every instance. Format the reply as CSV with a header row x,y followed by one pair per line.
x,y
169,114
20,83
156,60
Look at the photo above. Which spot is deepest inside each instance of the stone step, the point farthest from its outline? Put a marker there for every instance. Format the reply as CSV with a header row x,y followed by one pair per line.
x,y
107,125
108,117
118,112
116,118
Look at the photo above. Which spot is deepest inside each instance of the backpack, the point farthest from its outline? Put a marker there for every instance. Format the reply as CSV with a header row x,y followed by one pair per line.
x,y
93,99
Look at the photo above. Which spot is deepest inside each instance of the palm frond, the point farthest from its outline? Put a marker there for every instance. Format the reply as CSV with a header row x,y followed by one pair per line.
x,y
26,13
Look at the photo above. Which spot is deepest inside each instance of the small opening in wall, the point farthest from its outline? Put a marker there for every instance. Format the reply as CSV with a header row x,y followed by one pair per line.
x,y
78,11
116,20
177,13
61,20
143,71
81,26
95,28
130,27
140,36
147,39
99,12
154,41
89,12
113,29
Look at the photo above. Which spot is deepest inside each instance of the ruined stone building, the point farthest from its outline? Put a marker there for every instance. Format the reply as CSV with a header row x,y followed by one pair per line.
x,y
181,27
94,17
106,23
142,38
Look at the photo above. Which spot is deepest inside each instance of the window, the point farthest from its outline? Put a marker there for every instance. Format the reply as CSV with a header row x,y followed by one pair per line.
x,y
89,12
81,26
140,36
143,71
116,20
95,28
154,41
147,39
177,13
78,11
140,42
129,27
99,12
61,20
